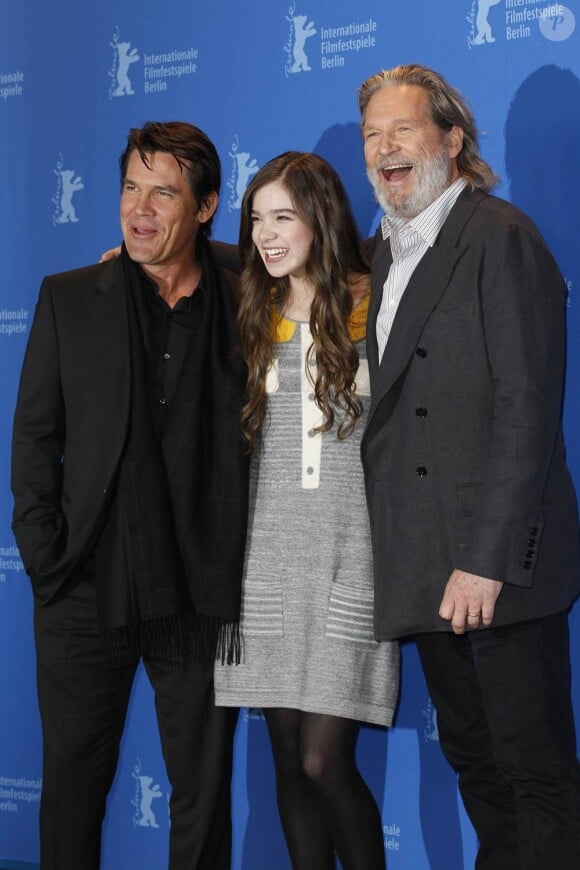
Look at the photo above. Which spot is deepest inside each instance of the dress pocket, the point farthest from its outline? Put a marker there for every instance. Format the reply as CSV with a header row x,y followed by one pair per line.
x,y
262,612
350,614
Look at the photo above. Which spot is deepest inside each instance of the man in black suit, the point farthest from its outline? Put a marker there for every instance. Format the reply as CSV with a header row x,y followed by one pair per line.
x,y
130,487
473,512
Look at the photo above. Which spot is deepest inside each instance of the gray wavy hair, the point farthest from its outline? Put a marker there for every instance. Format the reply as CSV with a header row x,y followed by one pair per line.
x,y
448,109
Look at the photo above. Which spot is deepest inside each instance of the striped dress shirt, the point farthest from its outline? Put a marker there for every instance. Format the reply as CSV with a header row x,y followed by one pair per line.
x,y
410,240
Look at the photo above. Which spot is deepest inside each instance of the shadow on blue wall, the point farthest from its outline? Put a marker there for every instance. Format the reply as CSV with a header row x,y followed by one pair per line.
x,y
542,133
341,145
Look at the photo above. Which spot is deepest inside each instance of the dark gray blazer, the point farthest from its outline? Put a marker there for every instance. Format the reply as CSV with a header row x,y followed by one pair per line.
x,y
463,452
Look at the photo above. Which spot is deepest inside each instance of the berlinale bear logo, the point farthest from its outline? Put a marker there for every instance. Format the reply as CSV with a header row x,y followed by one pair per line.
x,y
123,57
67,186
300,30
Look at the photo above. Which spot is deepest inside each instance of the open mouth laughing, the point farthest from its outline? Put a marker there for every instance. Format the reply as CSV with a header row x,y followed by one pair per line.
x,y
396,171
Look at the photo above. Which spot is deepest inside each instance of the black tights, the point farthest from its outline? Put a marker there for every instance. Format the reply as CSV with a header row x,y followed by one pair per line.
x,y
324,803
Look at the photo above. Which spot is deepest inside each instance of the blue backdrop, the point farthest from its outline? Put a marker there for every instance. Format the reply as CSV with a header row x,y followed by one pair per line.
x,y
260,78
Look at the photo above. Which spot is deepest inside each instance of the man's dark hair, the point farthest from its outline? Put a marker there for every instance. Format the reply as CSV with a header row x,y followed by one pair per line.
x,y
193,150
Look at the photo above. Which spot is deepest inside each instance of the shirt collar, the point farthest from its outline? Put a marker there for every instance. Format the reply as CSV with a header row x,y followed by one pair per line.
x,y
184,303
427,224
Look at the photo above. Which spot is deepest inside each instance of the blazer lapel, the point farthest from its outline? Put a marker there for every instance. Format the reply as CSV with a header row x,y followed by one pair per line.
x,y
425,288
111,333
381,263
428,283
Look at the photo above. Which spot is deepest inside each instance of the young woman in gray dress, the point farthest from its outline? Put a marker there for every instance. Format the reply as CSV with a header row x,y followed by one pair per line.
x,y
310,660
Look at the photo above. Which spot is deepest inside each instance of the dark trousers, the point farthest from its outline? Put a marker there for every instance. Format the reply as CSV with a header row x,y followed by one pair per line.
x,y
83,706
505,722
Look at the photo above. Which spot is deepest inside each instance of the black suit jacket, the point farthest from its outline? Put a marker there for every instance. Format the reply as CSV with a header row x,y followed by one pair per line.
x,y
71,420
463,451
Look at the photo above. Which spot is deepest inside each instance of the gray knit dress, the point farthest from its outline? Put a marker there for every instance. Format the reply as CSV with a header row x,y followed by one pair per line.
x,y
307,599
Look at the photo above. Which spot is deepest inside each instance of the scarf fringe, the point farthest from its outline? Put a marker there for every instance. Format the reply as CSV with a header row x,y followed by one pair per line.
x,y
169,643
228,645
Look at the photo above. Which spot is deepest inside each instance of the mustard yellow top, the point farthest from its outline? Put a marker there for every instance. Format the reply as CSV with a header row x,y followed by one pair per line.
x,y
284,328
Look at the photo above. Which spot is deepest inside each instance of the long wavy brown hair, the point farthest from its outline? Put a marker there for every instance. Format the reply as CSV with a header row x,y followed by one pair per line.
x,y
339,275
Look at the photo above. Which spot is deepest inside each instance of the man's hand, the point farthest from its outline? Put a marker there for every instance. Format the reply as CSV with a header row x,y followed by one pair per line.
x,y
469,601
110,254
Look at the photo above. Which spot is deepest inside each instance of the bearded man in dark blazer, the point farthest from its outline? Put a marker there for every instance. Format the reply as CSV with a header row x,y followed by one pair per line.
x,y
473,513
130,486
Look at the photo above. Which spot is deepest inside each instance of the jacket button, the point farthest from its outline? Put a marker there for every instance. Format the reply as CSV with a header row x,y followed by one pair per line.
x,y
526,565
530,554
421,412
421,471
532,542
421,352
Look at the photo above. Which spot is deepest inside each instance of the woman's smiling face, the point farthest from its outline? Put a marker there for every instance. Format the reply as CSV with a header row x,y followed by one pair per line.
x,y
280,235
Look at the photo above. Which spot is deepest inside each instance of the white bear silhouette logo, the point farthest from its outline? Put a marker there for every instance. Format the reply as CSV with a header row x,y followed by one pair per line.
x,y
69,184
125,57
484,33
431,730
245,169
147,817
302,31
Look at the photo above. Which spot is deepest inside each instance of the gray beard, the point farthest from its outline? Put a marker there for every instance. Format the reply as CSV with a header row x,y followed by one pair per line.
x,y
433,179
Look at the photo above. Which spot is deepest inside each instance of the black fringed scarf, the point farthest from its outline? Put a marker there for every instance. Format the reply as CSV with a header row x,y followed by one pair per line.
x,y
169,560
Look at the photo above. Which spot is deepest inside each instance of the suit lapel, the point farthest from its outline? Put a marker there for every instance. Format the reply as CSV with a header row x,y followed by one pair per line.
x,y
426,287
381,264
111,334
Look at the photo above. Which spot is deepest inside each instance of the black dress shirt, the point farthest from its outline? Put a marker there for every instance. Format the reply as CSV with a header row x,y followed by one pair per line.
x,y
170,332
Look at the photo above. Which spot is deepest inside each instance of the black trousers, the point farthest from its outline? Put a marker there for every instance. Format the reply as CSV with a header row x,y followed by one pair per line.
x,y
506,725
83,706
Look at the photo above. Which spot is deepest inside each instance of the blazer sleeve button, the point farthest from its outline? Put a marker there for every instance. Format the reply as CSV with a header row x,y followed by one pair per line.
x,y
421,471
